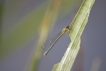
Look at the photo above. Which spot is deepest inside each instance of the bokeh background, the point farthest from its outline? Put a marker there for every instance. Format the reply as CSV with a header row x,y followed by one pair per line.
x,y
25,23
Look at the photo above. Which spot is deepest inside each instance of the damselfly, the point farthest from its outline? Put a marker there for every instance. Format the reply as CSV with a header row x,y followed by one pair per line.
x,y
66,29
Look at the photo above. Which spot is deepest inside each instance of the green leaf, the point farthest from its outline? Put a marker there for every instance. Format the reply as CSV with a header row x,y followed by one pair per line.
x,y
76,29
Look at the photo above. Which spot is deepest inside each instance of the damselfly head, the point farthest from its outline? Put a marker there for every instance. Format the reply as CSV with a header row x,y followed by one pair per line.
x,y
67,27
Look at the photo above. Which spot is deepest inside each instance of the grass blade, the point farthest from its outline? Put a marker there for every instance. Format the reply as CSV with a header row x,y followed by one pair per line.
x,y
76,28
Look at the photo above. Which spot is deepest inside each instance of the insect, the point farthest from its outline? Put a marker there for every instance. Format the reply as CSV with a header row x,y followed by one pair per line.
x,y
66,29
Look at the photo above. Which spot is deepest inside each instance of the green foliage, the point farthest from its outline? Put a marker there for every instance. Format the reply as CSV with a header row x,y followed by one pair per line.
x,y
24,30
76,28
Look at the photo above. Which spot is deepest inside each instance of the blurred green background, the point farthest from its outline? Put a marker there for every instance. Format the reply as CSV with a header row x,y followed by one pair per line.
x,y
25,23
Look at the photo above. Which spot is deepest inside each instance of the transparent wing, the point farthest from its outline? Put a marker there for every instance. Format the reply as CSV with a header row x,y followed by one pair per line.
x,y
49,42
